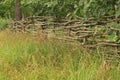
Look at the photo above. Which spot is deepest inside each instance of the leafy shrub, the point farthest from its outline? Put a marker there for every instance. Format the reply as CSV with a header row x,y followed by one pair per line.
x,y
62,8
3,23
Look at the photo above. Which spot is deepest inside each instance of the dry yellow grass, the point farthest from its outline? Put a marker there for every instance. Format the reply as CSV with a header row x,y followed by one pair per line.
x,y
34,57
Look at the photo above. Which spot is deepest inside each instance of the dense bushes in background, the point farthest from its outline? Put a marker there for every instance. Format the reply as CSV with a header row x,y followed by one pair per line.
x,y
62,8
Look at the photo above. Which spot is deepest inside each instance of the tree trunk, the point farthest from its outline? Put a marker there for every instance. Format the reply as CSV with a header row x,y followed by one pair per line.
x,y
18,15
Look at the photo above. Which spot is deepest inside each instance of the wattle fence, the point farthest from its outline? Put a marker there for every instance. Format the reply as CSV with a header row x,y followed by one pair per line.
x,y
90,32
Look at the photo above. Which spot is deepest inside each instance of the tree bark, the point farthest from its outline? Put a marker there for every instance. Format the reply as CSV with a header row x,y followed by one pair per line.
x,y
18,15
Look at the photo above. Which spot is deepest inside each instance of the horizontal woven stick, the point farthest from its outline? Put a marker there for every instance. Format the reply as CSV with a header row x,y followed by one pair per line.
x,y
109,44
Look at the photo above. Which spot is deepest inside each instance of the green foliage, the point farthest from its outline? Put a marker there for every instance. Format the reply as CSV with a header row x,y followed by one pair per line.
x,y
62,8
3,23
6,8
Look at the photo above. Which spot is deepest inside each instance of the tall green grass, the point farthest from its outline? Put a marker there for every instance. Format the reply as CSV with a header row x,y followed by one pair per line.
x,y
26,57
